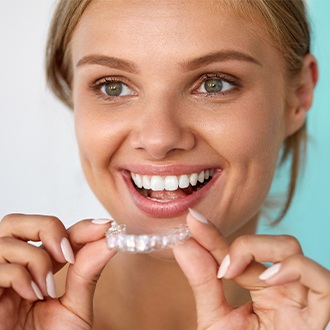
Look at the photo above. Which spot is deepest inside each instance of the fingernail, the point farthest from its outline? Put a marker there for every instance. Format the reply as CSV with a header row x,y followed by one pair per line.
x,y
101,221
37,291
50,284
270,272
224,266
67,250
198,216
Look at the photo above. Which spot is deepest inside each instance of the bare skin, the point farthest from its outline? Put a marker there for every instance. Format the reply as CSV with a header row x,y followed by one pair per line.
x,y
164,121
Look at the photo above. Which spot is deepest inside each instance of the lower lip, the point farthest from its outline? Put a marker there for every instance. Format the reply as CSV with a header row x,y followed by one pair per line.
x,y
167,209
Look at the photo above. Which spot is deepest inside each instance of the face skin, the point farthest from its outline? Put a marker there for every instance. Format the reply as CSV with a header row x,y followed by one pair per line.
x,y
166,56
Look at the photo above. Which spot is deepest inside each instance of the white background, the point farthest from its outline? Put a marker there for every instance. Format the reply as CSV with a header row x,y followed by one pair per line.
x,y
39,168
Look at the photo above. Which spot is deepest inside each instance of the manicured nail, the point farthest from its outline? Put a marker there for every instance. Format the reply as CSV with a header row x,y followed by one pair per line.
x,y
270,272
198,216
37,291
224,266
101,221
50,284
67,250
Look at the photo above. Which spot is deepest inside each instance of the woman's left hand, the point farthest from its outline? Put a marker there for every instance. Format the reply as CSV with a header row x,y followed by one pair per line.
x,y
292,294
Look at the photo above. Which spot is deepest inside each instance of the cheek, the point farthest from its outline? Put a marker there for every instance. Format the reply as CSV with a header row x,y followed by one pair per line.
x,y
250,143
98,135
249,136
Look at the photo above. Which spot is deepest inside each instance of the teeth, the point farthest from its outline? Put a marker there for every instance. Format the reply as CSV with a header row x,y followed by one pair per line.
x,y
193,179
201,177
157,183
170,182
146,182
138,181
184,181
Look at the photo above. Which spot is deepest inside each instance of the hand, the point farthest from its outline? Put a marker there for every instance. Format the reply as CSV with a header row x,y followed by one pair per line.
x,y
292,294
26,272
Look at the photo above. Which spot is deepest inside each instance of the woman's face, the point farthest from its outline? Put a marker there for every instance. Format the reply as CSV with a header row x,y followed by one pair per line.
x,y
170,93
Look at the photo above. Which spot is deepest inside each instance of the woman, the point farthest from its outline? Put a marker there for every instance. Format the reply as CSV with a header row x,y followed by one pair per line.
x,y
177,105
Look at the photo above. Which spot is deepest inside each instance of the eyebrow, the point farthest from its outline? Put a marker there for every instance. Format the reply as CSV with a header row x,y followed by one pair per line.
x,y
117,63
222,56
111,62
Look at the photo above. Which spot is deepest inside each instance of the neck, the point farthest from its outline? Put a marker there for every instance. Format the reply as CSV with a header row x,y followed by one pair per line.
x,y
154,293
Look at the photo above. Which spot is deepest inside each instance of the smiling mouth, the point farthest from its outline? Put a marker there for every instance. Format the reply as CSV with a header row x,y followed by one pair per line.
x,y
165,189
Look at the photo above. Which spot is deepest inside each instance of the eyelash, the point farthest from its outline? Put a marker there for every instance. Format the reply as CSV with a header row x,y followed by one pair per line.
x,y
225,78
100,83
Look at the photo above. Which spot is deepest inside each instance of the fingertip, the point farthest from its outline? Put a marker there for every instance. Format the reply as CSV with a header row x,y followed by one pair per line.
x,y
88,230
50,285
36,290
101,221
224,266
67,250
197,216
94,256
270,272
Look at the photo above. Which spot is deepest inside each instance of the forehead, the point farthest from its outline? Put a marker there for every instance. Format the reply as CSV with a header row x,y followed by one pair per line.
x,y
175,28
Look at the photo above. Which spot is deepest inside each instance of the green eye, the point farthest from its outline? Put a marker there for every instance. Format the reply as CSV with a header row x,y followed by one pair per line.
x,y
215,85
116,88
113,88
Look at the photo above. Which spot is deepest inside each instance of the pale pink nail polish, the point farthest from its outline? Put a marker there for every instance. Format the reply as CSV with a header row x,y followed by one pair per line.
x,y
37,291
67,250
197,216
224,267
101,221
270,272
50,284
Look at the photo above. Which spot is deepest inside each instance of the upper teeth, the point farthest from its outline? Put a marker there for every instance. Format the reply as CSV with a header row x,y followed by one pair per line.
x,y
170,182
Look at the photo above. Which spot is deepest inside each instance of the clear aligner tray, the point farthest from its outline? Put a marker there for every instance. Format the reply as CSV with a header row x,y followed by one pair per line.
x,y
117,238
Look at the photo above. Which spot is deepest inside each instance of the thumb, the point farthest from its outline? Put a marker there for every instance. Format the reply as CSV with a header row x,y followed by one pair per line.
x,y
82,278
200,268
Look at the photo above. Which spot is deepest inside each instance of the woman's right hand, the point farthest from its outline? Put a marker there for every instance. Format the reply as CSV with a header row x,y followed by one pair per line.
x,y
27,287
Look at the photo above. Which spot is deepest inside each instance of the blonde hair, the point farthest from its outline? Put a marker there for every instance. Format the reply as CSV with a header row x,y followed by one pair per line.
x,y
287,26
58,56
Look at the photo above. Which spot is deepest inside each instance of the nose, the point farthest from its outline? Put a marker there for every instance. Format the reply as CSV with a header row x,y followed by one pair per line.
x,y
161,130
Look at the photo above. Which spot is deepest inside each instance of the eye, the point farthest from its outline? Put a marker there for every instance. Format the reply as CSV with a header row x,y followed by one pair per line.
x,y
215,85
115,89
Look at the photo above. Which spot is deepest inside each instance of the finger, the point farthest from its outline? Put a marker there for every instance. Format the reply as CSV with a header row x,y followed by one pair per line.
x,y
86,231
200,268
82,277
47,229
261,248
36,261
79,234
311,275
87,238
18,278
208,236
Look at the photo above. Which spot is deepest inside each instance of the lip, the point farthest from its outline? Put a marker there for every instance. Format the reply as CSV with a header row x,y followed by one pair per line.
x,y
172,208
